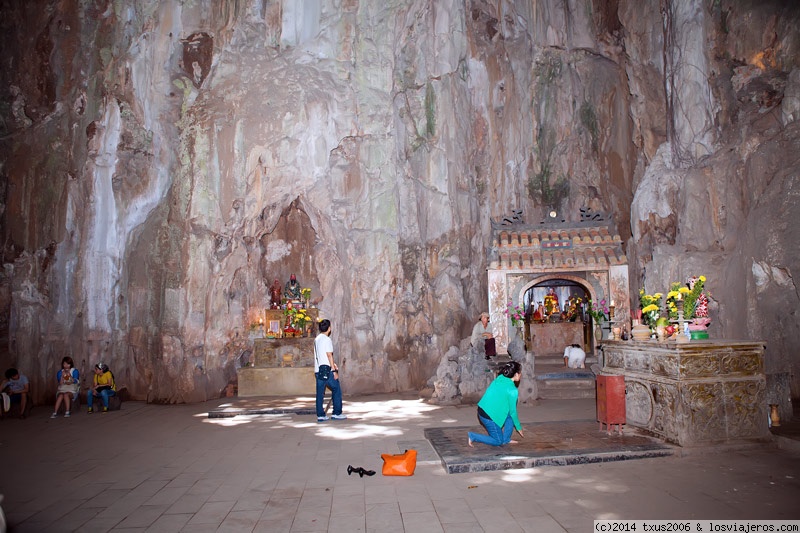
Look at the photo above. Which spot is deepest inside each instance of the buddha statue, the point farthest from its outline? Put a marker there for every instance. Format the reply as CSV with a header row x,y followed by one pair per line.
x,y
551,302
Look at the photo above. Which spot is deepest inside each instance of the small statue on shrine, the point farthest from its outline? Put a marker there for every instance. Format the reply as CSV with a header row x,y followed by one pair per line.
x,y
275,295
288,328
573,308
292,289
538,314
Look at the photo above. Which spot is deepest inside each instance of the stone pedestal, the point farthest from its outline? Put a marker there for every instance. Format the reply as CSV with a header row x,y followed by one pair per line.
x,y
697,393
287,381
282,367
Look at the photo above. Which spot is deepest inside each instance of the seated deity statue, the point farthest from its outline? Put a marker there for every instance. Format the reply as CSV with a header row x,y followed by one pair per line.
x,y
551,302
292,289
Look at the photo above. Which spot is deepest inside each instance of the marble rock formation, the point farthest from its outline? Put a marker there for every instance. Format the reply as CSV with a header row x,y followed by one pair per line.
x,y
464,373
161,162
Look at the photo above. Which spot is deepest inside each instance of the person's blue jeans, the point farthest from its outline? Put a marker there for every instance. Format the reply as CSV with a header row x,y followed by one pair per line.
x,y
104,395
336,392
497,436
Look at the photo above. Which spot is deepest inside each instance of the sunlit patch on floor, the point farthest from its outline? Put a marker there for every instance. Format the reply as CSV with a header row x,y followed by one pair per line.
x,y
519,476
338,430
378,409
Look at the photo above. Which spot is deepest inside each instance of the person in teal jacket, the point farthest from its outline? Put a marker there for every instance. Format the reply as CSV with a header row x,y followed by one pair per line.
x,y
497,410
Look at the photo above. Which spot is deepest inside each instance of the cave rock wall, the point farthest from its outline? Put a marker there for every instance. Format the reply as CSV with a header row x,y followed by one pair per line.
x,y
163,162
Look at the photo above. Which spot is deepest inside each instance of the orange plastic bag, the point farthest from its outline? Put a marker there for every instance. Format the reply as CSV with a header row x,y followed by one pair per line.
x,y
402,464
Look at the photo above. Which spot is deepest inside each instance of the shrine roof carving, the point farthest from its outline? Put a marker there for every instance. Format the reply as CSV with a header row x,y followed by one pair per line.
x,y
554,244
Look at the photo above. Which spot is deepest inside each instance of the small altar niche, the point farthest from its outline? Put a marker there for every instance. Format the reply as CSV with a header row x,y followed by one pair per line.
x,y
555,317
288,249
282,364
572,257
283,358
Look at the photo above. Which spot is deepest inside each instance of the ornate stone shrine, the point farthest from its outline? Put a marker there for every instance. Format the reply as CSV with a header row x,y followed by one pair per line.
x,y
585,254
697,393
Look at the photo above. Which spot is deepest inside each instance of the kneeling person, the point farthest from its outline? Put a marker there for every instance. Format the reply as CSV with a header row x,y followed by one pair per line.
x,y
574,356
497,409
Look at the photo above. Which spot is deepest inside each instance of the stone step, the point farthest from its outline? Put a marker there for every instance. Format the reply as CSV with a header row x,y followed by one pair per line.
x,y
560,368
556,359
565,394
566,390
559,364
556,383
560,383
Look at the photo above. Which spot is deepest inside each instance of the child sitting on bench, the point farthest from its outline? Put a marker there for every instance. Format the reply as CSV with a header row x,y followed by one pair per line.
x,y
103,386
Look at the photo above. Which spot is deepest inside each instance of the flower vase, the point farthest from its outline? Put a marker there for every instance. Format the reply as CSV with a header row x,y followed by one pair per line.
x,y
598,332
698,328
774,415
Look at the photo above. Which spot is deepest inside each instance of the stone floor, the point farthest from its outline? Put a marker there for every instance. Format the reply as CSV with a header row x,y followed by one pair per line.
x,y
175,468
557,443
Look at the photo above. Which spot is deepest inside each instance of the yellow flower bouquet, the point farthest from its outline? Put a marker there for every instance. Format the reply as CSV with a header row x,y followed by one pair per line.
x,y
651,307
695,300
300,318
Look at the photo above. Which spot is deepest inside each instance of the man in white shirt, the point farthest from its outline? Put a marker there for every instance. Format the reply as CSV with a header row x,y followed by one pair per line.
x,y
323,355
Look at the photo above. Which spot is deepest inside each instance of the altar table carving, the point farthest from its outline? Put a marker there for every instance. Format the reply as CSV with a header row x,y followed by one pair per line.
x,y
697,393
270,374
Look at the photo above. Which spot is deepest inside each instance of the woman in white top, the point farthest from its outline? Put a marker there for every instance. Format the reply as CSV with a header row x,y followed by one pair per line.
x,y
67,386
